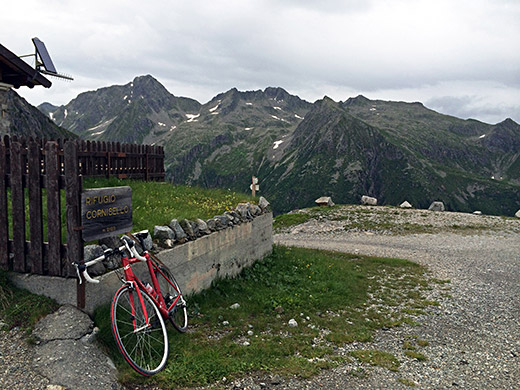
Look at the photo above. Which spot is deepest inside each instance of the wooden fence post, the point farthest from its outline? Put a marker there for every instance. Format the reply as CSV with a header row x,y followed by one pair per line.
x,y
18,201
35,207
73,193
52,184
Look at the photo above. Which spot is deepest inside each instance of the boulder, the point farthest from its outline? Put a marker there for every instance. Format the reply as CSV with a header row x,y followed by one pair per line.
x,y
263,204
180,234
163,233
437,206
368,200
477,212
255,210
188,228
203,226
405,205
242,210
324,201
90,253
517,214
212,225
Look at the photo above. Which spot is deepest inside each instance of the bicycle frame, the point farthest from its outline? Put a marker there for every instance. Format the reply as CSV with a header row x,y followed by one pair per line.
x,y
156,294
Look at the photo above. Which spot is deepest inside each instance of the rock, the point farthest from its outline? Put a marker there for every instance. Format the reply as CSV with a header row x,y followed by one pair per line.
x,y
234,306
368,200
324,201
203,226
236,217
225,323
162,233
477,212
242,210
147,241
218,223
517,214
180,234
90,253
188,229
110,242
405,205
437,206
224,220
212,225
250,333
263,204
255,210
292,323
231,218
67,322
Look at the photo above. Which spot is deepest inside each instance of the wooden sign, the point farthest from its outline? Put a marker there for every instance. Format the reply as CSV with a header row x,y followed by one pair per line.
x,y
106,212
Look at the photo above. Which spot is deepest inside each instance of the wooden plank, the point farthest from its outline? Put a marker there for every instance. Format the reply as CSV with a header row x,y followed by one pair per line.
x,y
72,195
18,206
4,224
35,208
54,258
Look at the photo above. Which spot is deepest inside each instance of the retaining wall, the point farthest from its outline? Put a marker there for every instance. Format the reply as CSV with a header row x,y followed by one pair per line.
x,y
195,264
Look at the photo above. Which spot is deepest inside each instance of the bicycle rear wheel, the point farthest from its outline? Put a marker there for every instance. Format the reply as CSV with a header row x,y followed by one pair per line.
x,y
178,314
143,345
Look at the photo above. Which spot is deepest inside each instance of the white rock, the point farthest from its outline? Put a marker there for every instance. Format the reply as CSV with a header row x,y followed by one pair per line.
x,y
405,205
517,214
292,323
225,323
246,343
368,200
437,206
234,306
250,333
477,212
324,201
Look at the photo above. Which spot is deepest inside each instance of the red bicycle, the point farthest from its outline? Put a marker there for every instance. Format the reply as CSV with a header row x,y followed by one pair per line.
x,y
139,309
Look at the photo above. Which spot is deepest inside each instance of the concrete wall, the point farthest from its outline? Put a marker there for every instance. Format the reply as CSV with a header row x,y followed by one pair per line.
x,y
195,264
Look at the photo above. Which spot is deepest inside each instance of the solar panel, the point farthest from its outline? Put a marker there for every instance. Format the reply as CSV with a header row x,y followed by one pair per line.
x,y
44,56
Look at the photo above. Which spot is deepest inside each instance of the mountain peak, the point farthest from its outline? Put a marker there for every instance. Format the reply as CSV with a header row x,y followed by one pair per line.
x,y
358,100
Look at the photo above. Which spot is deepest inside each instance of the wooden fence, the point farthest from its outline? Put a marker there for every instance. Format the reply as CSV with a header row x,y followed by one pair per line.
x,y
29,167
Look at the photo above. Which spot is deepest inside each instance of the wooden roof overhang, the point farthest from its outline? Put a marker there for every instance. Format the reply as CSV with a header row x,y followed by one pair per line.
x,y
17,72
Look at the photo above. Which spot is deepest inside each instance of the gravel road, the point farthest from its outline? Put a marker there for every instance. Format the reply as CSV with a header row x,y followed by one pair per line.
x,y
474,336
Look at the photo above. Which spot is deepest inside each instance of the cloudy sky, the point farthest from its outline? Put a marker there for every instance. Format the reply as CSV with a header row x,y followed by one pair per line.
x,y
458,57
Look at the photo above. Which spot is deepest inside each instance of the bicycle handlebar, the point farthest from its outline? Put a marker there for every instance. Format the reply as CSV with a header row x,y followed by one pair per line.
x,y
129,245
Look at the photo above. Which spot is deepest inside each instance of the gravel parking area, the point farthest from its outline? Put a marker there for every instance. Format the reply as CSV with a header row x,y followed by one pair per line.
x,y
472,338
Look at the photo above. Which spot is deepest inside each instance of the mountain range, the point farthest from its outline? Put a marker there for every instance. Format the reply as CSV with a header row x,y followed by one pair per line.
x,y
394,151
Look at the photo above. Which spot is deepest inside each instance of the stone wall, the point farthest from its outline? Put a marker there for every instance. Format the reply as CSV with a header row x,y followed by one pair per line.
x,y
195,264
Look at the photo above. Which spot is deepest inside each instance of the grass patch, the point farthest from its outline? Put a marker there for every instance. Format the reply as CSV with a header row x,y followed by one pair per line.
x,y
287,220
20,307
334,297
407,382
377,358
416,355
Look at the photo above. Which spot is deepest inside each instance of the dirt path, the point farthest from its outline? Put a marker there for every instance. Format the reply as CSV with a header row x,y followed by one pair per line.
x,y
474,341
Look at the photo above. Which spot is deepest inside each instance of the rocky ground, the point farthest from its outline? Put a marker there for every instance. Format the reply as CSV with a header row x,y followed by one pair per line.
x,y
470,341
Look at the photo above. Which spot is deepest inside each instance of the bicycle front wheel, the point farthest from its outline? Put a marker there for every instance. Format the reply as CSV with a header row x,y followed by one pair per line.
x,y
144,345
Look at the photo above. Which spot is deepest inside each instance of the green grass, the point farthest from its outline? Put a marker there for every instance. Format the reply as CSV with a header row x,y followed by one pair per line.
x,y
335,298
157,203
21,308
377,358
287,220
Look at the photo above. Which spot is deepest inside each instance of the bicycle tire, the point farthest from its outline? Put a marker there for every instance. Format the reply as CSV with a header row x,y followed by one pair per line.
x,y
146,351
178,315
